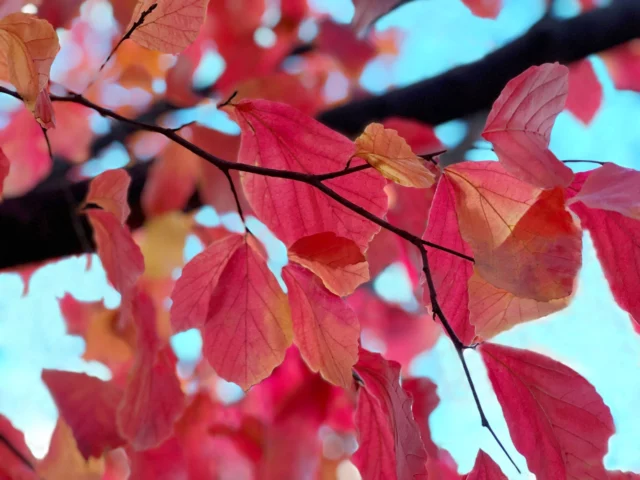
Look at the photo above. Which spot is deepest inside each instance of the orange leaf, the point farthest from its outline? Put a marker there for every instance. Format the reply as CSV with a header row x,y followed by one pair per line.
x,y
248,327
325,328
336,260
171,27
523,239
389,153
519,125
31,46
109,191
484,8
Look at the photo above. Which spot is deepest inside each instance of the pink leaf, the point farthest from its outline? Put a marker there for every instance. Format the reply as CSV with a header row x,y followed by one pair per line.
x,y
612,188
120,256
450,273
420,137
616,239
325,329
485,469
109,191
5,164
336,260
585,91
171,27
390,443
88,405
623,63
368,11
192,293
12,463
484,8
556,418
153,399
520,122
248,326
275,135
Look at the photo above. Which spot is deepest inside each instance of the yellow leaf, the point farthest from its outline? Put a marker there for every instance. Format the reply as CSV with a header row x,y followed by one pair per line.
x,y
389,153
28,46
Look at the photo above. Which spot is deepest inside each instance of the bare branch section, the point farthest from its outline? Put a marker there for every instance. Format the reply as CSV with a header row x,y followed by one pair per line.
x,y
39,225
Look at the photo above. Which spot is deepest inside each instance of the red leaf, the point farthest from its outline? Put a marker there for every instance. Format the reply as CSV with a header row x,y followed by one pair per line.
x,y
153,399
336,260
556,418
523,239
405,335
484,8
425,401
613,188
368,11
192,293
165,462
248,326
88,405
12,459
585,91
339,42
450,273
520,122
623,63
171,27
275,135
109,191
5,164
485,469
120,256
420,137
325,329
616,239
390,443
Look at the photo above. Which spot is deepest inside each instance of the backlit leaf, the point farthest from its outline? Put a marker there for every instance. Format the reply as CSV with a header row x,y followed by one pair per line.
x,y
368,11
520,122
484,8
88,405
120,256
5,165
275,135
450,273
555,417
613,188
390,443
248,326
523,239
109,191
193,290
485,469
12,466
336,260
153,399
585,91
389,153
171,27
623,64
325,329
31,44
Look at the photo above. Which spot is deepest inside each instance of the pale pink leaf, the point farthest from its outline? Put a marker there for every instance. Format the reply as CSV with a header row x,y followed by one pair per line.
x,y
109,191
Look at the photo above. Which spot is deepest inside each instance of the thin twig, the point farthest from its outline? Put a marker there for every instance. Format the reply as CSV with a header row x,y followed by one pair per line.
x,y
459,346
584,161
234,192
227,101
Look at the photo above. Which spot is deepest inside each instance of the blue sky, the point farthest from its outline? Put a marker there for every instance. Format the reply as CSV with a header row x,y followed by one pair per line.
x,y
592,335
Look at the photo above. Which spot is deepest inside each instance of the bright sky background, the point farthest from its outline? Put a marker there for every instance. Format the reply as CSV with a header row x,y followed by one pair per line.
x,y
593,335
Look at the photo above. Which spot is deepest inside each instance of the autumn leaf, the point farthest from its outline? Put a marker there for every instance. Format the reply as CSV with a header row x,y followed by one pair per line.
x,y
390,444
64,460
120,256
248,325
88,405
523,239
450,273
368,11
109,191
519,125
484,8
493,310
612,188
5,165
31,45
337,261
485,469
153,399
421,137
623,62
12,461
585,91
325,329
555,417
275,135
171,27
193,290
389,153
